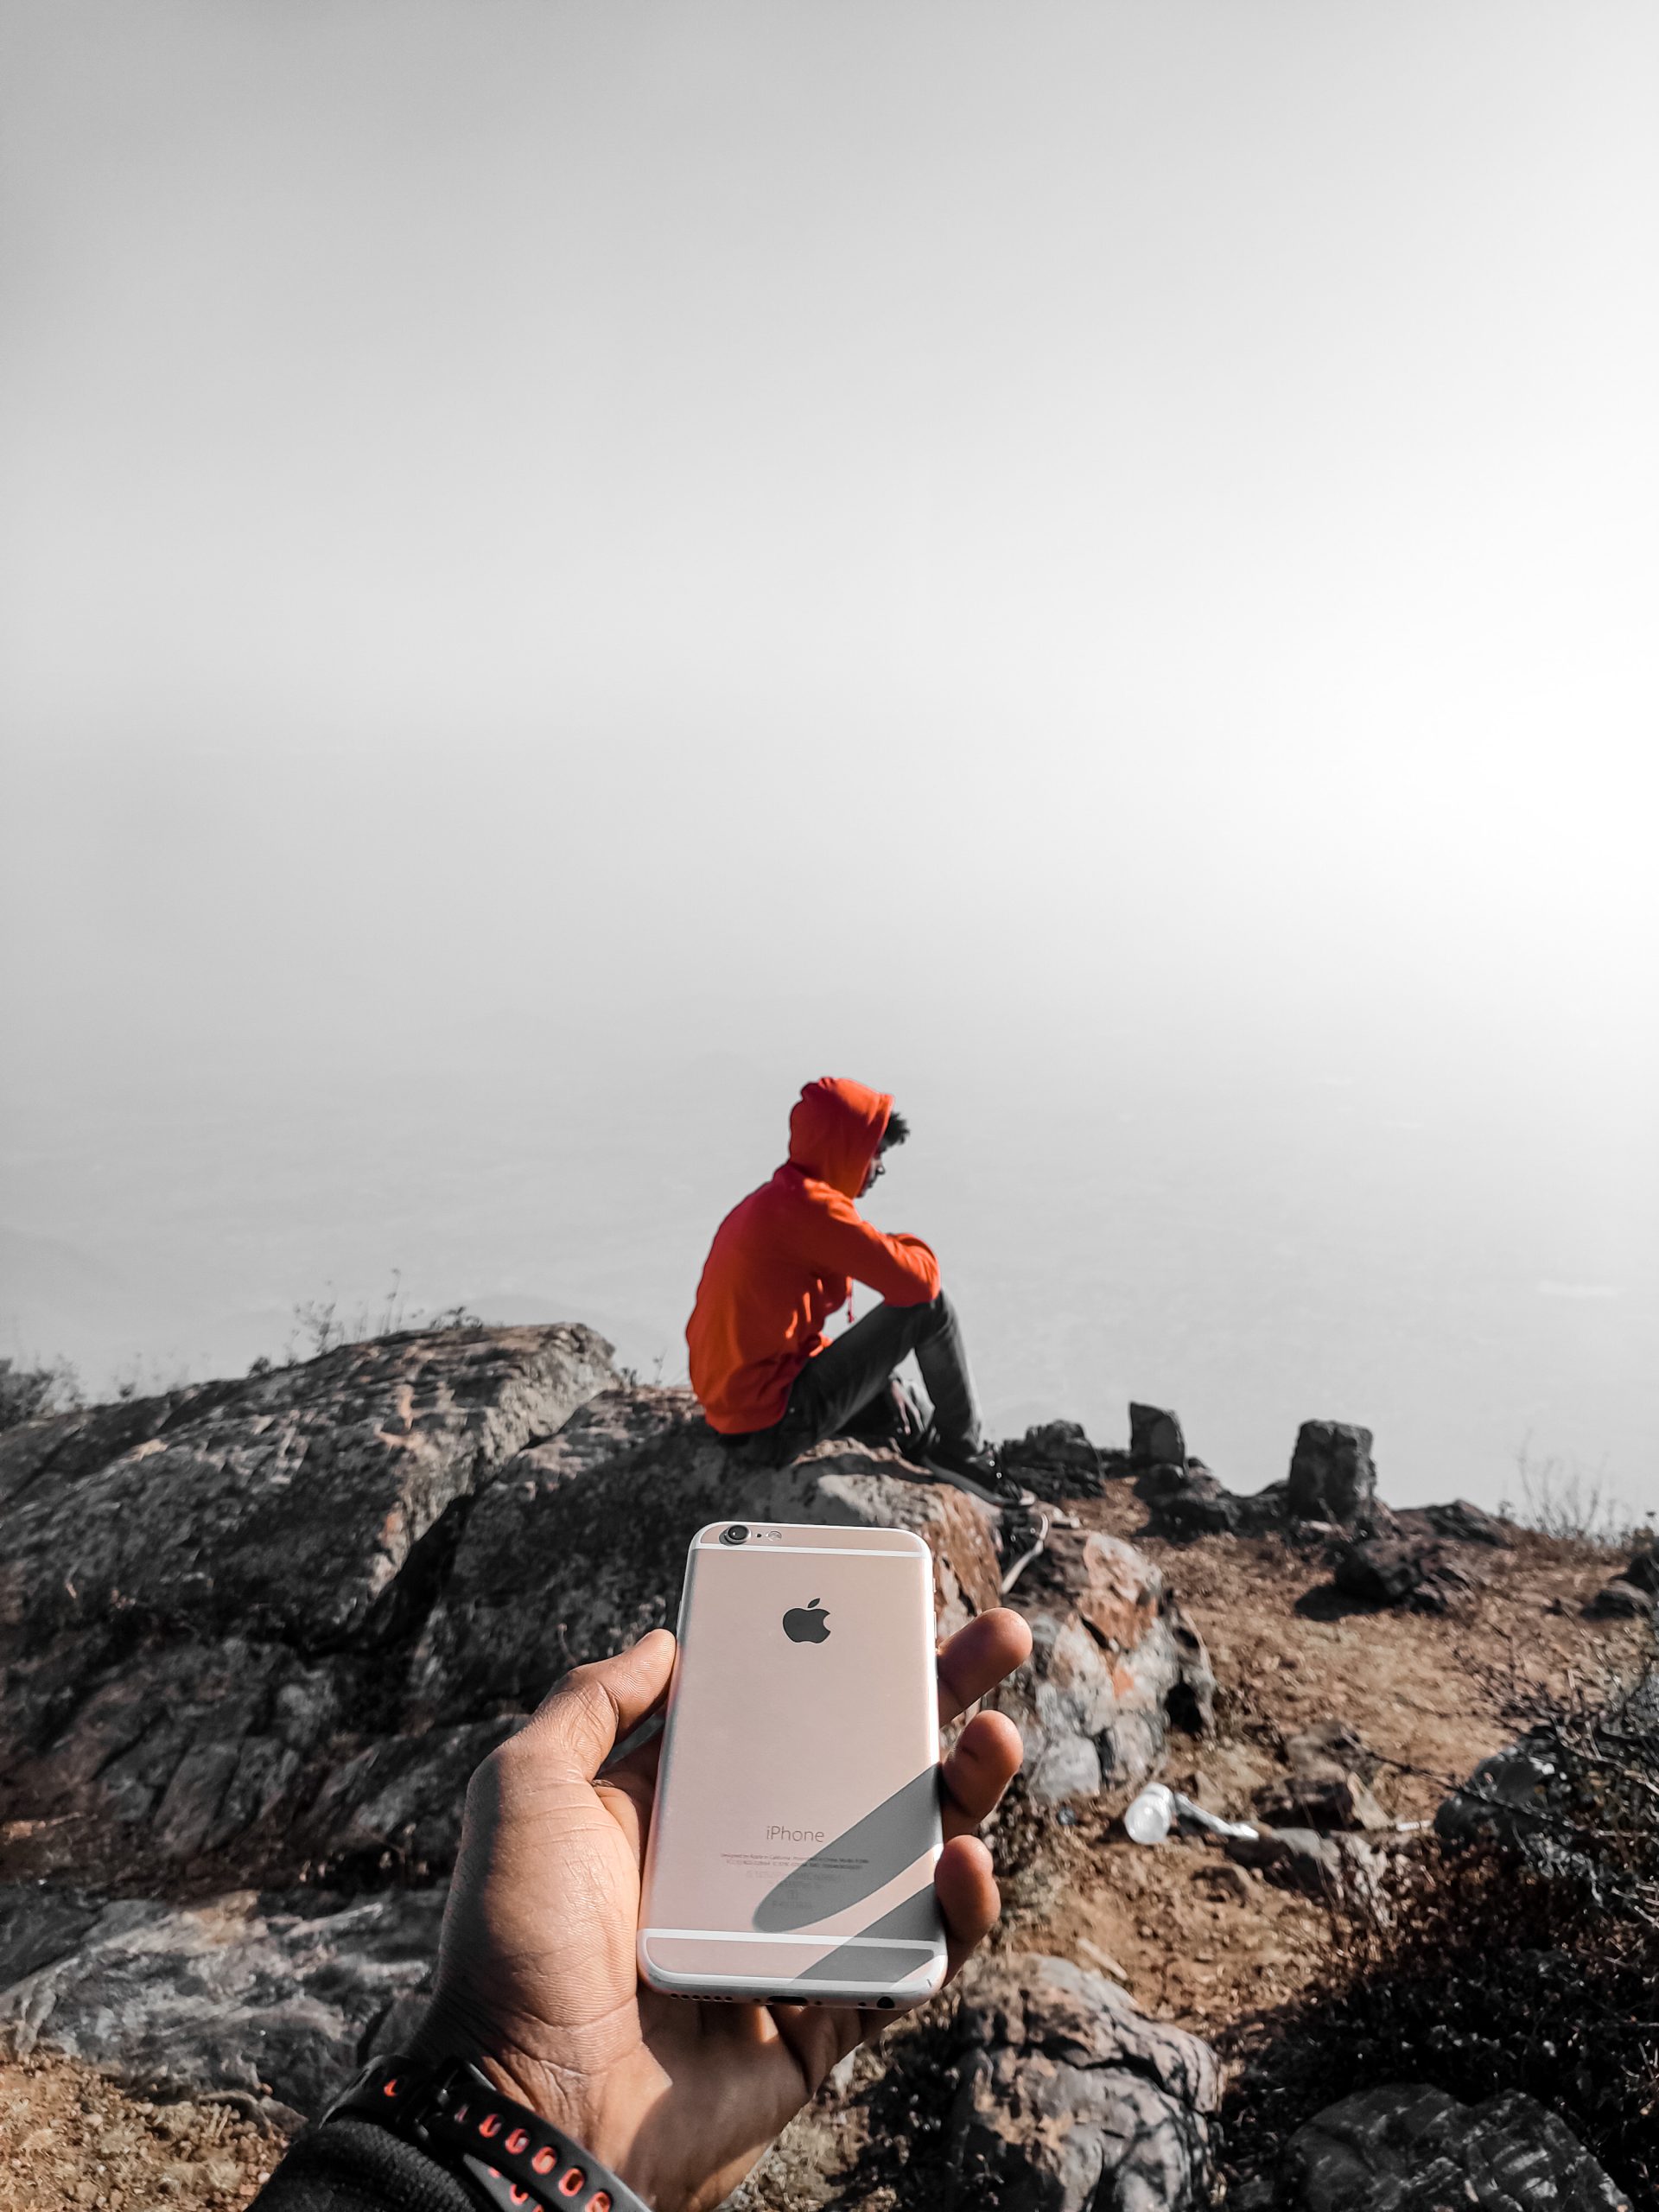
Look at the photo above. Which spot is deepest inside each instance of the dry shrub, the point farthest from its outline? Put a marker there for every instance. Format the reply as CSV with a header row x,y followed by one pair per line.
x,y
1526,1960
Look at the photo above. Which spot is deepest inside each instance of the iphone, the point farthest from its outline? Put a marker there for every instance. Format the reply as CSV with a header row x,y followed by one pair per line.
x,y
797,1821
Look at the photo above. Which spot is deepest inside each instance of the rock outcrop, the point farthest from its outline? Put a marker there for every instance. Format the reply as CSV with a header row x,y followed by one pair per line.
x,y
1330,1493
1115,1662
271,1626
206,1600
254,1638
288,1504
272,2000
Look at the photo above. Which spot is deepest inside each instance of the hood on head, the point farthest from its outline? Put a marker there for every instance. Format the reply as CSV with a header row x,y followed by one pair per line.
x,y
835,1129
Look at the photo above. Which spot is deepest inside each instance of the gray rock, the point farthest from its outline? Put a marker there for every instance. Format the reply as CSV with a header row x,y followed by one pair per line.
x,y
1326,1801
1395,1570
1642,1573
267,1627
1414,2149
1456,1522
275,1999
1621,1600
1056,1460
239,1752
192,1741
1520,1793
290,1501
1302,1859
1330,1747
1332,1477
403,1796
1115,1664
578,1546
1155,1438
1071,2099
1187,1501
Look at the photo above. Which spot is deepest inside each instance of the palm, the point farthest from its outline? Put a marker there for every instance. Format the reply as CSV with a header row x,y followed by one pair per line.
x,y
539,1971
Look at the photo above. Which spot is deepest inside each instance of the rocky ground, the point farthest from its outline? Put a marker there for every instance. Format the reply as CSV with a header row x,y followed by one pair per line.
x,y
253,1636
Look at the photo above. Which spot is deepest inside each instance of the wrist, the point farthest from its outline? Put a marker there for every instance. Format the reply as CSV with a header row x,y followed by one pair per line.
x,y
507,2152
592,2108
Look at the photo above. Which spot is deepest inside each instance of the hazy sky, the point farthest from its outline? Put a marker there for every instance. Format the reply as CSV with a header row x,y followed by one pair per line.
x,y
1044,546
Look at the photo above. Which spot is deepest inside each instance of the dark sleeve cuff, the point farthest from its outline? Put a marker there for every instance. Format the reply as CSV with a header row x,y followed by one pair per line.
x,y
352,2166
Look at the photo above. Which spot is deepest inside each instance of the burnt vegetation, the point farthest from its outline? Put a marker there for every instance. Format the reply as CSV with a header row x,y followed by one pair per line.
x,y
1523,1957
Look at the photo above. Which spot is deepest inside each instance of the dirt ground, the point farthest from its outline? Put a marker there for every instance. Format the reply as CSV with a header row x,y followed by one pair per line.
x,y
1194,1938
69,2138
1207,1944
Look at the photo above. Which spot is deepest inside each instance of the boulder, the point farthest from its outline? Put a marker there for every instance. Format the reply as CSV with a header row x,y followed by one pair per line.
x,y
1415,2149
1332,1477
1456,1522
1553,1794
1114,1664
275,1997
1155,1439
1524,1796
1395,1570
1056,1460
1070,2099
1187,1501
1642,1572
1621,1600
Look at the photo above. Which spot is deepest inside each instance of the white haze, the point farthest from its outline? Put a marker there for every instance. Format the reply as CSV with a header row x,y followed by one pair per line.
x,y
566,568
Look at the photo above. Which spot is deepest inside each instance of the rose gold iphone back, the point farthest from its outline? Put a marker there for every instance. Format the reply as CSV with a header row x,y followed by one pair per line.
x,y
797,1822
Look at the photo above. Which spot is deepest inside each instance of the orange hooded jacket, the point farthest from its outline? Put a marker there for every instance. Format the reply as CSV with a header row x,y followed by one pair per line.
x,y
779,1263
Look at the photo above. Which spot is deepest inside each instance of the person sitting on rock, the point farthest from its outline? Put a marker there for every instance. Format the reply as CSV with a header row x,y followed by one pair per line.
x,y
769,1383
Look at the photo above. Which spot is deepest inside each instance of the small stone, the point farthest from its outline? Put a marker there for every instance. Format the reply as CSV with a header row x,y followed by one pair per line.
x,y
1326,1801
1620,1600
1222,1879
1330,1747
1095,1956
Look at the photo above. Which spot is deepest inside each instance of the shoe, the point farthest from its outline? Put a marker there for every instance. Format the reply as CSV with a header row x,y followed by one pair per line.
x,y
1034,1540
973,1468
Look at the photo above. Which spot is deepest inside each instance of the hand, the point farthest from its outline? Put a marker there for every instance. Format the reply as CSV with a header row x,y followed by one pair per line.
x,y
536,1979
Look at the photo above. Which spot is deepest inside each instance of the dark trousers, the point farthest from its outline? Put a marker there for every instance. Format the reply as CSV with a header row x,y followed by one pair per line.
x,y
832,1389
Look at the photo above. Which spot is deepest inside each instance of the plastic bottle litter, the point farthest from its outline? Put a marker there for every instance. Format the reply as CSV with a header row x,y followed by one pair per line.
x,y
1152,1815
1155,1811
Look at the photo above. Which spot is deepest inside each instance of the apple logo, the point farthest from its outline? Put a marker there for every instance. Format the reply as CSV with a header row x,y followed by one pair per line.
x,y
805,1623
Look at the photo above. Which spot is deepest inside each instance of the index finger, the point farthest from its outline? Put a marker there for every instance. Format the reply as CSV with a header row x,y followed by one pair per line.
x,y
977,1658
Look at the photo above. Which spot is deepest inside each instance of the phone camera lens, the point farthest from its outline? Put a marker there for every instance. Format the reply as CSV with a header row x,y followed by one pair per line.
x,y
737,1534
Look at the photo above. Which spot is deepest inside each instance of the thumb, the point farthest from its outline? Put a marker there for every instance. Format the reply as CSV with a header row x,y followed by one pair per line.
x,y
578,1725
